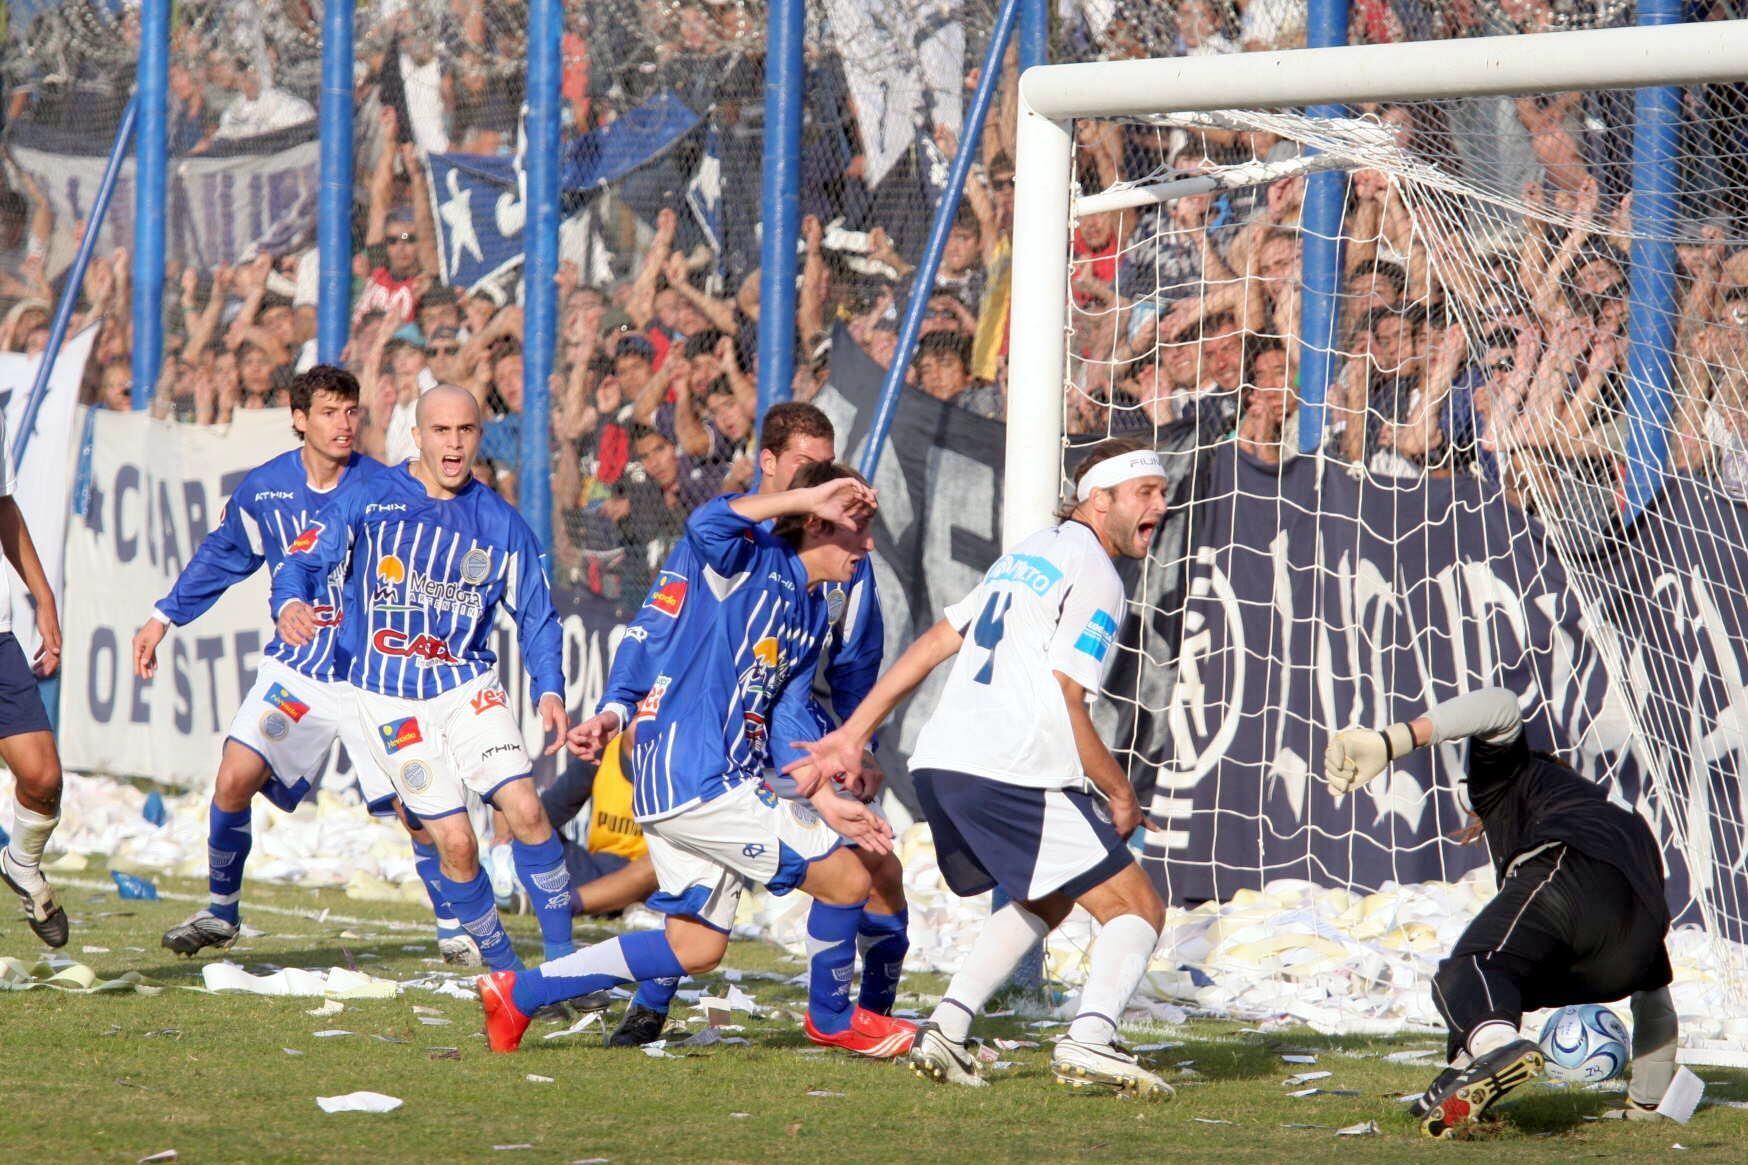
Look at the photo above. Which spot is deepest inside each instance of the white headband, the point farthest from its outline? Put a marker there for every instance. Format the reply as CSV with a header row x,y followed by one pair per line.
x,y
1110,473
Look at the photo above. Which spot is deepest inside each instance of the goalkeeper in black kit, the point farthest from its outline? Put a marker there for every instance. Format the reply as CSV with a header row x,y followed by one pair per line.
x,y
1580,916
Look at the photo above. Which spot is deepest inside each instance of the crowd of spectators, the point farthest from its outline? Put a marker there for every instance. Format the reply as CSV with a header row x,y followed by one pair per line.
x,y
1492,347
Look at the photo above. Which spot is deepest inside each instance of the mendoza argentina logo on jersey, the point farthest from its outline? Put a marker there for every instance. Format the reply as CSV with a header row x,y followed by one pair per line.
x,y
399,734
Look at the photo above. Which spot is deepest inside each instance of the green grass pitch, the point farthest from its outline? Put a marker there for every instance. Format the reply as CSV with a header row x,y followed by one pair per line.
x,y
233,1078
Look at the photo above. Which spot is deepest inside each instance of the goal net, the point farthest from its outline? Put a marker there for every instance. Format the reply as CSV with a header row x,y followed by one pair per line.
x,y
1472,414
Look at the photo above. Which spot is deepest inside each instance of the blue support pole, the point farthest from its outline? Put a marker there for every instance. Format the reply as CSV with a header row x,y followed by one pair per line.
x,y
75,279
1034,33
540,267
1325,196
334,208
1651,285
923,281
151,167
785,80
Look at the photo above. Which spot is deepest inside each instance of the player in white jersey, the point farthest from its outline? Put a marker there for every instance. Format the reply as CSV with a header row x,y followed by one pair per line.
x,y
27,743
1003,765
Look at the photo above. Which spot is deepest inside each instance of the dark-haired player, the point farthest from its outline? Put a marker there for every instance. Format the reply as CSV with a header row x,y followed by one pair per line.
x,y
794,436
301,702
1580,915
1007,763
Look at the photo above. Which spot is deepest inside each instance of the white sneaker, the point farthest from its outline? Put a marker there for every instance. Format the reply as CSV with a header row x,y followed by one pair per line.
x,y
459,950
935,1057
1109,1067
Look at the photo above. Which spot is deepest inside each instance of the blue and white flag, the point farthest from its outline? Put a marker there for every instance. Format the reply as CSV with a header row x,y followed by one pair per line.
x,y
704,197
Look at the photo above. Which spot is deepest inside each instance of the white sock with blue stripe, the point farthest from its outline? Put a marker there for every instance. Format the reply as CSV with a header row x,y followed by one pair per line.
x,y
1004,940
1119,959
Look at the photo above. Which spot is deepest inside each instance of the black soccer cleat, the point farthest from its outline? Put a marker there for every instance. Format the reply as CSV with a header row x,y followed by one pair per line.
x,y
198,931
1423,1103
1478,1086
640,1026
41,909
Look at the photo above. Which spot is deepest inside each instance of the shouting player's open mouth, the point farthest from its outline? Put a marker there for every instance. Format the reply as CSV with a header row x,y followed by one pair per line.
x,y
454,465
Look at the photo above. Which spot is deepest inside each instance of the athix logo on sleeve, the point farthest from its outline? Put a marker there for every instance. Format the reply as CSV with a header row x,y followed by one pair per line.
x,y
305,541
280,698
399,734
668,595
1036,574
1096,640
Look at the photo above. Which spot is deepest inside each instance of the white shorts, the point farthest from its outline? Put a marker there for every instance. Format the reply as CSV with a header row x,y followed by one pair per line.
x,y
705,854
435,750
291,721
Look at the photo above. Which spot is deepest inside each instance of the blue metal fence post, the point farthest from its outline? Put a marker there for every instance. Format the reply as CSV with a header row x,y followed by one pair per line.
x,y
785,80
75,279
540,267
1651,283
334,209
923,280
151,165
1034,33
1325,196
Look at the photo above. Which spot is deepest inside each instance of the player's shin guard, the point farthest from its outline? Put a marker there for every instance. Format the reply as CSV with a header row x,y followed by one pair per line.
x,y
1119,959
542,871
472,901
1004,940
831,960
228,841
431,876
883,940
642,955
656,994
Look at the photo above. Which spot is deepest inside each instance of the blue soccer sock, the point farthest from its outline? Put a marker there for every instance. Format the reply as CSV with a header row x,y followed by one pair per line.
x,y
656,994
543,874
642,955
431,876
472,900
883,941
831,961
227,847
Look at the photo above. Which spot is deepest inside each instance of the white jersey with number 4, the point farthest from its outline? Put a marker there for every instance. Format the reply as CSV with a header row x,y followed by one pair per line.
x,y
1051,605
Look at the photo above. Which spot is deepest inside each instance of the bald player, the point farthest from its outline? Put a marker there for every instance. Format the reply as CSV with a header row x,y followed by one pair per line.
x,y
427,555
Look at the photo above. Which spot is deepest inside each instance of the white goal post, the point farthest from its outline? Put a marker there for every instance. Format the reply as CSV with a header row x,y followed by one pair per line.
x,y
1053,96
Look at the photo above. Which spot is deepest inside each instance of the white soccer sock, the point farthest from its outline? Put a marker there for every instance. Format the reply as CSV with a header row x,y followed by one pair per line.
x,y
1004,940
1490,1036
1655,1028
30,836
1119,959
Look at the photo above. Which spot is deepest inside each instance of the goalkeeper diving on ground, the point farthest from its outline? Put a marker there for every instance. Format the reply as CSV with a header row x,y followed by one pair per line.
x,y
1580,916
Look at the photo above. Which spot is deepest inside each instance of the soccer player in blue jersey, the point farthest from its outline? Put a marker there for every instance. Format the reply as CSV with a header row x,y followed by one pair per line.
x,y
674,616
427,555
712,822
287,723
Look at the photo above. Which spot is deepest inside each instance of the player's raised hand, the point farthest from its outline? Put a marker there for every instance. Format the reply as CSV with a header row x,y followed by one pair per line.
x,y
833,755
48,629
554,720
864,784
1353,758
854,821
589,739
296,623
844,502
146,641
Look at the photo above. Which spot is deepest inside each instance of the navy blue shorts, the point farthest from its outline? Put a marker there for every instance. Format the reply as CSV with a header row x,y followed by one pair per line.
x,y
21,706
1030,842
585,866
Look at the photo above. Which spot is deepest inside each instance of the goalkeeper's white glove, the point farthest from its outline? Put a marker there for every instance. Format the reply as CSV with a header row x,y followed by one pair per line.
x,y
1356,755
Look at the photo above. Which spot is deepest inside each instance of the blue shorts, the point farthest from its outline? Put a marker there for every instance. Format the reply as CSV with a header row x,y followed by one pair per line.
x,y
1030,842
21,706
586,866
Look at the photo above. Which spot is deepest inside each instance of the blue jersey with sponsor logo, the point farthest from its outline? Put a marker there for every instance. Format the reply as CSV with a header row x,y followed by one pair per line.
x,y
263,522
679,608
1050,608
743,671
424,577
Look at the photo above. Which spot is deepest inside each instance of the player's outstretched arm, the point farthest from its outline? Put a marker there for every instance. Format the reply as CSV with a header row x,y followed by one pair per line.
x,y
1356,755
313,555
842,502
224,558
853,821
840,752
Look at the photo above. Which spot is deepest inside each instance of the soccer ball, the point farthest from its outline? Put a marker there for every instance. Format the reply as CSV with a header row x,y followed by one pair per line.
x,y
1584,1044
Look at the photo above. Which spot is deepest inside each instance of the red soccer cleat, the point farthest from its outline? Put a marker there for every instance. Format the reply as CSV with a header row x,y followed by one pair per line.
x,y
869,1034
505,1023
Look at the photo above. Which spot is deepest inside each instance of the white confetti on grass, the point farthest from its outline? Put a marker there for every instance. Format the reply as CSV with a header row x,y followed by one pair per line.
x,y
330,1033
1363,1129
532,1078
359,1102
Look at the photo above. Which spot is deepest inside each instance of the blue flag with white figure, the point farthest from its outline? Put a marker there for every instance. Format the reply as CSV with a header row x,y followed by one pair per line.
x,y
704,197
